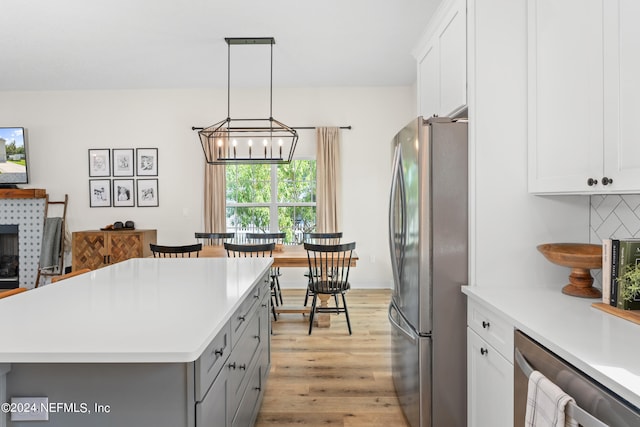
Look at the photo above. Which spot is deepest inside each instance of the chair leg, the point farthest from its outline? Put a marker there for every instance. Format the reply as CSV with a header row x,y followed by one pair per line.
x,y
335,297
278,290
346,312
313,310
307,293
273,309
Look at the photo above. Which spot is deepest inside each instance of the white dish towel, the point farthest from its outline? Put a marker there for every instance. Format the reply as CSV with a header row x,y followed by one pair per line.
x,y
546,403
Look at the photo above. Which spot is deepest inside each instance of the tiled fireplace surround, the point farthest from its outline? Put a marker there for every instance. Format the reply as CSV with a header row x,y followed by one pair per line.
x,y
28,214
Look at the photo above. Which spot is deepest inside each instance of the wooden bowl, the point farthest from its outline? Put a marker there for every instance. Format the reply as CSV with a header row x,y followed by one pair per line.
x,y
580,258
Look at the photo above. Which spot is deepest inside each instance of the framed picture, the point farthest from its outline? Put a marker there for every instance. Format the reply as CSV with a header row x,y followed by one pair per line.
x,y
147,192
99,162
147,161
99,193
123,161
123,192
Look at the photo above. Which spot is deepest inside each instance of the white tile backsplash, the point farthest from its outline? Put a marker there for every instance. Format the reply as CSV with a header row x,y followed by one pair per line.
x,y
613,216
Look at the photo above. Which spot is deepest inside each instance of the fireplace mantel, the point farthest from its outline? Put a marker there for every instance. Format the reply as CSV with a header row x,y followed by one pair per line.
x,y
22,193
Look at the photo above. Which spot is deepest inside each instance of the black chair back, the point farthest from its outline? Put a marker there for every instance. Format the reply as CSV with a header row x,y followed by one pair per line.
x,y
240,250
215,238
185,251
329,267
332,238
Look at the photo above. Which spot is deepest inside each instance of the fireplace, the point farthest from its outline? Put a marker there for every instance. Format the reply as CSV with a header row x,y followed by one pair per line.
x,y
26,209
9,257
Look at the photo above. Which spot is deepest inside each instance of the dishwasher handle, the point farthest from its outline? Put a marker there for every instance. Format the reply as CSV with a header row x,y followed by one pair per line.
x,y
584,418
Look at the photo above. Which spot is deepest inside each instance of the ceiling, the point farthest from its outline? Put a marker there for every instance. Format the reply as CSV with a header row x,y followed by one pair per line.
x,y
160,44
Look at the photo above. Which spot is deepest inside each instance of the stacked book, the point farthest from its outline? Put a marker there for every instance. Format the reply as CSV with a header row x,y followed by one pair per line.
x,y
618,257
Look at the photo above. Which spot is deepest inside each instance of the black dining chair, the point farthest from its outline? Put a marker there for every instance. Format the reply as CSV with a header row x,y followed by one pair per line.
x,y
329,267
215,238
277,239
332,238
243,250
184,251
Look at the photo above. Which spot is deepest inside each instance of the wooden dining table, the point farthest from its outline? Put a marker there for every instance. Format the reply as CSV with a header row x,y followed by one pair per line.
x,y
286,256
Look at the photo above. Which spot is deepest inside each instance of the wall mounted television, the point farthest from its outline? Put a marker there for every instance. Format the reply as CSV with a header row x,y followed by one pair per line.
x,y
13,157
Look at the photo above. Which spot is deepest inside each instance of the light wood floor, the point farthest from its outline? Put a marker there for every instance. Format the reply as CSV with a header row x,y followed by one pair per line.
x,y
331,378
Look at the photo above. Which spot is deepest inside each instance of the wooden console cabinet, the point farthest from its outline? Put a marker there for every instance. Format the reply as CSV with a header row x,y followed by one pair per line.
x,y
97,248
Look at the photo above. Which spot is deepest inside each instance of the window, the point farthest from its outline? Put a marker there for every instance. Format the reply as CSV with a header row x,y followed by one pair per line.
x,y
272,198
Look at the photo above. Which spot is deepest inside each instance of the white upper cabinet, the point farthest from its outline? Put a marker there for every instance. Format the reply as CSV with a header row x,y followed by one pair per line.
x,y
580,96
622,95
442,62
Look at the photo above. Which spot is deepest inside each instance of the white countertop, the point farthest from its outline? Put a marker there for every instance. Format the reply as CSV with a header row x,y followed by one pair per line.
x,y
605,347
140,310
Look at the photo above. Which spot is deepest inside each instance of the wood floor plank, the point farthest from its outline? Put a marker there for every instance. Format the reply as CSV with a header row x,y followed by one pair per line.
x,y
331,378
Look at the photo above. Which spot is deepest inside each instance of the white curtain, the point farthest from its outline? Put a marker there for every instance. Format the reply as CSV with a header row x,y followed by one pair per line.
x,y
215,195
329,186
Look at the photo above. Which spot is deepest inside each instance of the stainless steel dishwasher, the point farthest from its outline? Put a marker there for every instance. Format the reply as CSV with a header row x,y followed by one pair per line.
x,y
596,406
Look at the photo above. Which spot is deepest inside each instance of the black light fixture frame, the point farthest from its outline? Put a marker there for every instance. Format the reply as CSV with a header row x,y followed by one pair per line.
x,y
229,128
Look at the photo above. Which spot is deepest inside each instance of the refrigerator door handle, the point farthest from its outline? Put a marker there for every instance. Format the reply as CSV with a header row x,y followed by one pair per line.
x,y
396,180
406,333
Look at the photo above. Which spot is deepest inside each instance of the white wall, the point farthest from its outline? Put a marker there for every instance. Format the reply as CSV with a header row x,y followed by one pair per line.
x,y
62,126
508,223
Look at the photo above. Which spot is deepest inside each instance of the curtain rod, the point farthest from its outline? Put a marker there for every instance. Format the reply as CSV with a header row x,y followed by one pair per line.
x,y
292,127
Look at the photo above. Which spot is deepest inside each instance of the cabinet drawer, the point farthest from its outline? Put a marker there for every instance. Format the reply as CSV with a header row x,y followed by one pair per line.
x,y
243,358
243,314
491,327
212,360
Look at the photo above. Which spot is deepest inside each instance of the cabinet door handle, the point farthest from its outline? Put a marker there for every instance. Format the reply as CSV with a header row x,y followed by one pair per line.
x,y
591,182
232,366
607,181
241,318
485,325
242,367
219,352
483,351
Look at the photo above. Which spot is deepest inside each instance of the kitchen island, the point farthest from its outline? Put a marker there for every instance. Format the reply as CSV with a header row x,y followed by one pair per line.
x,y
145,342
603,346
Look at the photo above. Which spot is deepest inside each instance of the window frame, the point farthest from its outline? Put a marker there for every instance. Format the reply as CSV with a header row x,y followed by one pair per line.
x,y
275,204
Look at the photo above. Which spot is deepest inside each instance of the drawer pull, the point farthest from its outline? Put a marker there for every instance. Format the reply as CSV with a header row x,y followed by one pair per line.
x,y
264,305
242,367
257,337
241,318
257,388
232,365
485,324
483,351
219,353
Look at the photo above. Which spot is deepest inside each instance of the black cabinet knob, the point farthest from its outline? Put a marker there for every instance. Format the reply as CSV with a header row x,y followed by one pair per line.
x,y
591,182
607,181
485,324
483,351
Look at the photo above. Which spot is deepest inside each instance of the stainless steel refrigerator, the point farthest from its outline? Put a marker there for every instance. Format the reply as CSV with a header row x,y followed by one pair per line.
x,y
428,223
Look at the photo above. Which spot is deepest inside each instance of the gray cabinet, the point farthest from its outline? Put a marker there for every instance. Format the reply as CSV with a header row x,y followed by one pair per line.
x,y
230,374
